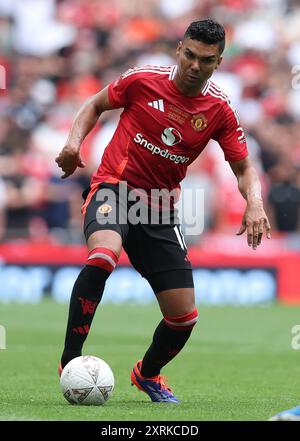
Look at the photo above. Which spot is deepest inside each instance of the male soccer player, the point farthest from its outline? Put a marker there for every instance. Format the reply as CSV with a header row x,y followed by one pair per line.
x,y
170,114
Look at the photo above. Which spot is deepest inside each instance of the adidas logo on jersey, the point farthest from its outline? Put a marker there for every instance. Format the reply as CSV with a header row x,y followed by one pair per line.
x,y
159,105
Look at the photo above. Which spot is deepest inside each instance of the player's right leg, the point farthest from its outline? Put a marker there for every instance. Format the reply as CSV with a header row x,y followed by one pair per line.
x,y
104,249
104,242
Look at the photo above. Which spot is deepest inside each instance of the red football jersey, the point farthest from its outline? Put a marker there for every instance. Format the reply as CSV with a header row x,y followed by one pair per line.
x,y
161,131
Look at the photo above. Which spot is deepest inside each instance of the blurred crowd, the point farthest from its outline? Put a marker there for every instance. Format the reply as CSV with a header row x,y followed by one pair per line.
x,y
56,53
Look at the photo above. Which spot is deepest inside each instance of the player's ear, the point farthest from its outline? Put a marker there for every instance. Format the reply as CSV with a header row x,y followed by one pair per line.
x,y
179,46
219,62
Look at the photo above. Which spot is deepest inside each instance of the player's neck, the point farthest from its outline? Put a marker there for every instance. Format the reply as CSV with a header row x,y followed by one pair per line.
x,y
188,90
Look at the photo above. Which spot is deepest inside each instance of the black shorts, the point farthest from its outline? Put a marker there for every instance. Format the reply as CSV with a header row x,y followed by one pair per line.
x,y
156,250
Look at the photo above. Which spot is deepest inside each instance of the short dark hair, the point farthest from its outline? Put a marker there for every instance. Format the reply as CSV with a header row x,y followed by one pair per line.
x,y
207,31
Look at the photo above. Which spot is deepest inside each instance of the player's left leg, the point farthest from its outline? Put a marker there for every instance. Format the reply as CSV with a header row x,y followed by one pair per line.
x,y
159,253
179,317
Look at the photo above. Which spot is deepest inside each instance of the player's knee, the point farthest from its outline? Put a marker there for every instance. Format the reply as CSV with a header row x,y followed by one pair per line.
x,y
184,322
108,239
102,258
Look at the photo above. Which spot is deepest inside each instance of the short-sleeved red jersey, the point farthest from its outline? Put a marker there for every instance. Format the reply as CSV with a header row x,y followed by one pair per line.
x,y
161,131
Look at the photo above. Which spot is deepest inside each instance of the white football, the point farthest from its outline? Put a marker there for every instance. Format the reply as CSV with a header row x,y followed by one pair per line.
x,y
87,380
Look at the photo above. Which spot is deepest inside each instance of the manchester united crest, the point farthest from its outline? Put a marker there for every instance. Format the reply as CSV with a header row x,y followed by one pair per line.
x,y
199,122
105,209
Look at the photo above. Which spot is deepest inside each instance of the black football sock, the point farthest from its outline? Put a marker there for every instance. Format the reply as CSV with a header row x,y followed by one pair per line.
x,y
169,338
86,295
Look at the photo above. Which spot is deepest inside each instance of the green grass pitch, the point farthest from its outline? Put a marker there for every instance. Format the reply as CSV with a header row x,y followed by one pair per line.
x,y
238,365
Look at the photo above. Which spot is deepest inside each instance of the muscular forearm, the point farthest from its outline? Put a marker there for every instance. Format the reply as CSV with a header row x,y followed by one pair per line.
x,y
69,158
249,185
83,123
254,219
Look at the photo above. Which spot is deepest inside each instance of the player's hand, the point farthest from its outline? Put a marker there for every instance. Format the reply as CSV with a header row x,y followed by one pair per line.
x,y
68,160
255,221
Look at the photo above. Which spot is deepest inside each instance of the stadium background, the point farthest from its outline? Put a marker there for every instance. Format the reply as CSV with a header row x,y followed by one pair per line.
x,y
55,54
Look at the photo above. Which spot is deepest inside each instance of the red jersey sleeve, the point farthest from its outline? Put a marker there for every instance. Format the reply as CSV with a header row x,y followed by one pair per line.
x,y
119,91
231,136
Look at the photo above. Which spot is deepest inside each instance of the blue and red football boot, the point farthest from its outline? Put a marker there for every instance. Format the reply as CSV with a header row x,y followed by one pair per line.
x,y
156,387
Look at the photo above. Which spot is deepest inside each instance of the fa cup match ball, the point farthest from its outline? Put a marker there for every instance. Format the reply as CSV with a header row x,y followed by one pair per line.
x,y
87,380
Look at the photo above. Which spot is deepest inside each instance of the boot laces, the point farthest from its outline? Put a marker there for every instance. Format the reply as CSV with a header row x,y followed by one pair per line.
x,y
162,381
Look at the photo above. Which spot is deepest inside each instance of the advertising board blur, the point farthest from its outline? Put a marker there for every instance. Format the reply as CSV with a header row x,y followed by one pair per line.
x,y
213,286
28,272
